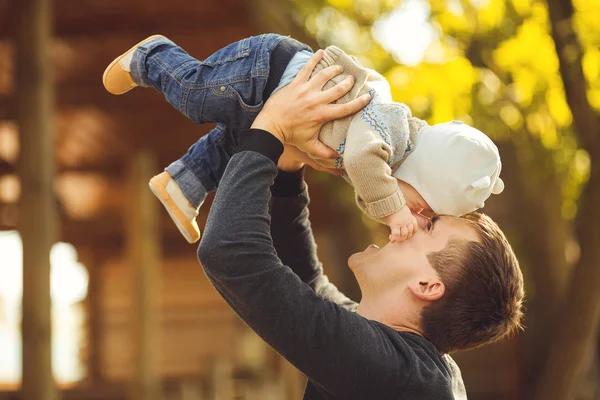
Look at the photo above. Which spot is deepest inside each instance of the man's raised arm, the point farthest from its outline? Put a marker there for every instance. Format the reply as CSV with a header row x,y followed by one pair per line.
x,y
293,237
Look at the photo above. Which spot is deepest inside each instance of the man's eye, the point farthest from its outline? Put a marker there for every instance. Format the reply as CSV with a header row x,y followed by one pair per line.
x,y
429,225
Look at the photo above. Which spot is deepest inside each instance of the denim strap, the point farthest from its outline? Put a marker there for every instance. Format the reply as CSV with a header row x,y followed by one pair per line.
x,y
280,58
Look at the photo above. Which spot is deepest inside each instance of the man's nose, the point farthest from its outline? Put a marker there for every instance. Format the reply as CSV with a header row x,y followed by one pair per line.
x,y
422,220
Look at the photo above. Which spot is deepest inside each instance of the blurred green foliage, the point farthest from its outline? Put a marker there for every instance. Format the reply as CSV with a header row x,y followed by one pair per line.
x,y
493,64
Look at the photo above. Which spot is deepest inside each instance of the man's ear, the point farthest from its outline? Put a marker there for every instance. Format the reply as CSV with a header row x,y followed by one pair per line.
x,y
428,290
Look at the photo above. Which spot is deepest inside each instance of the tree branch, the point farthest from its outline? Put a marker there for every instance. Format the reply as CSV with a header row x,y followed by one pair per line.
x,y
570,53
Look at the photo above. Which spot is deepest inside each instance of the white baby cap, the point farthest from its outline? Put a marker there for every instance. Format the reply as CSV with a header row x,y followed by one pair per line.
x,y
454,166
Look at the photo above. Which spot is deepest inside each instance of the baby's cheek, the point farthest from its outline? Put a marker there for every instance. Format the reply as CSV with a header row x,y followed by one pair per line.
x,y
417,210
409,196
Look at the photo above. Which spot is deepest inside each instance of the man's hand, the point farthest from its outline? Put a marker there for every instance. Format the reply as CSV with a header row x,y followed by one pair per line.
x,y
296,113
294,159
402,223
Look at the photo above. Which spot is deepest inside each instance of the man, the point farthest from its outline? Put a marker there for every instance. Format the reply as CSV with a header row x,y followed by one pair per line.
x,y
455,284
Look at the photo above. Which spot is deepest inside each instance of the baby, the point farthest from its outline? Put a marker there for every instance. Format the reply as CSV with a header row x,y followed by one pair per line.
x,y
396,163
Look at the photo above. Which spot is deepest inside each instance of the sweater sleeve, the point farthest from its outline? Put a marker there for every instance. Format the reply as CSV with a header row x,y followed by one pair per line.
x,y
293,237
368,154
338,350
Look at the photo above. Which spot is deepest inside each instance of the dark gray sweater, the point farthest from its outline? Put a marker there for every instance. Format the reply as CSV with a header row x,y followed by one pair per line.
x,y
285,298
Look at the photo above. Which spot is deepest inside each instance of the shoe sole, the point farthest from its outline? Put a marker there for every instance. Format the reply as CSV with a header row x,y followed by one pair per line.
x,y
169,204
116,61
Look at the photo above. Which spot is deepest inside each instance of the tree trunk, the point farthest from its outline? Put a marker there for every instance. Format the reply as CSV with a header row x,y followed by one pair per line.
x,y
576,322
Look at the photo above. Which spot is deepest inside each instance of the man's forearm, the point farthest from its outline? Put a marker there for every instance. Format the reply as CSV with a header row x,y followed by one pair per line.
x,y
290,227
293,237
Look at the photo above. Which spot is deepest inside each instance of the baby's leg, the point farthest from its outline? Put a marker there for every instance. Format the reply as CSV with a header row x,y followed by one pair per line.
x,y
184,185
226,87
199,171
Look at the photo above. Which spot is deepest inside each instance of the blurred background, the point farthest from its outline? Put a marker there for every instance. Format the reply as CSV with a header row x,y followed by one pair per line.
x,y
101,298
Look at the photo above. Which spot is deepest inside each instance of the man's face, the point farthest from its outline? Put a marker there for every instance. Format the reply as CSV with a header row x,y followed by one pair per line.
x,y
382,269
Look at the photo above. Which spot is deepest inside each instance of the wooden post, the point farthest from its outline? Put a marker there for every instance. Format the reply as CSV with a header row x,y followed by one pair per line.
x,y
37,215
88,256
143,248
293,381
220,373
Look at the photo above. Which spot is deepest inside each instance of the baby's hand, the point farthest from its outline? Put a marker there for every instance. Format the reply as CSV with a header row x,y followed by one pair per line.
x,y
402,223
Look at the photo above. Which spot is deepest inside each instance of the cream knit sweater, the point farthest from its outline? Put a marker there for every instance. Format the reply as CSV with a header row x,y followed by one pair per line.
x,y
373,142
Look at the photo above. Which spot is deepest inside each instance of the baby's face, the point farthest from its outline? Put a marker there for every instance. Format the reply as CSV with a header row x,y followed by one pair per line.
x,y
414,200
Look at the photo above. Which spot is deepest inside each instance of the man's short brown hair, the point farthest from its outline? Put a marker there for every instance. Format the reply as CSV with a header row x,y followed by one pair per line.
x,y
484,290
